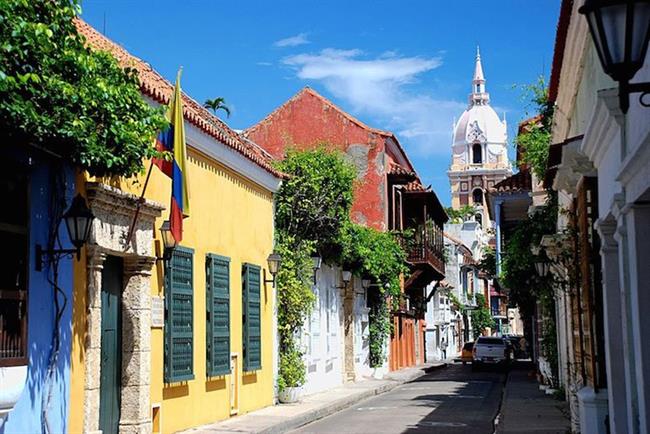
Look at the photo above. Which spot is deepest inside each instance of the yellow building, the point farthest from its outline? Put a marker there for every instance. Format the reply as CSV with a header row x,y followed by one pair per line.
x,y
164,345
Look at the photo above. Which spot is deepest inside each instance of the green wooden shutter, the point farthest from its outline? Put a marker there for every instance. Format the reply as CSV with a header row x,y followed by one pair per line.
x,y
218,315
251,317
179,323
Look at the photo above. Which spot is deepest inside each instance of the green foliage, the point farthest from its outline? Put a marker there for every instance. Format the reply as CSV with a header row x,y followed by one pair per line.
x,y
57,93
292,369
379,328
481,316
549,336
535,139
488,263
315,202
518,265
455,302
460,215
379,256
313,214
375,254
218,103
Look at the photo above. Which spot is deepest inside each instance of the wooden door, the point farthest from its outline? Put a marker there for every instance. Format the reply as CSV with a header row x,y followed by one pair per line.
x,y
111,346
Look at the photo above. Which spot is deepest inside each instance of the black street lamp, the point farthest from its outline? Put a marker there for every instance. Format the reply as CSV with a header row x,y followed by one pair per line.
x,y
316,262
620,30
78,219
542,264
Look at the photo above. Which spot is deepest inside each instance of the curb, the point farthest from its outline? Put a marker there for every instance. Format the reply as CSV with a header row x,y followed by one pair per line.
x,y
343,403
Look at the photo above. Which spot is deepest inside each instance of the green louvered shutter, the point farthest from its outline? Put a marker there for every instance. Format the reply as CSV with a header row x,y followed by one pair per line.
x,y
218,315
251,319
179,324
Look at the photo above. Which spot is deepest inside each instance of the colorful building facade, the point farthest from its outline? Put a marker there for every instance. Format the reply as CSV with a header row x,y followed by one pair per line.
x,y
163,344
388,196
34,345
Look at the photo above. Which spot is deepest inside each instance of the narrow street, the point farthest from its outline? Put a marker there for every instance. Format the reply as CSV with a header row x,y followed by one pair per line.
x,y
450,400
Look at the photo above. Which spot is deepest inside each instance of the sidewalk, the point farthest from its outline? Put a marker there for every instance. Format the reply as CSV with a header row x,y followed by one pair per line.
x,y
284,417
526,409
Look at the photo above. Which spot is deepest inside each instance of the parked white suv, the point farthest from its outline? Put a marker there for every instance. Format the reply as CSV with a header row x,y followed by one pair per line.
x,y
491,350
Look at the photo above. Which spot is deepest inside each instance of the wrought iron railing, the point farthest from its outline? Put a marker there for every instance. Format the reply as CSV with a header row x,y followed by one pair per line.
x,y
425,245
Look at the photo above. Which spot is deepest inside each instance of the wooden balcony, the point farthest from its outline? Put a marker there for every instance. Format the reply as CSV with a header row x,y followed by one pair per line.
x,y
425,251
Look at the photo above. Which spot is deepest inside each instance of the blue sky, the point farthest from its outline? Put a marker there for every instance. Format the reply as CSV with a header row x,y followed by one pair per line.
x,y
404,66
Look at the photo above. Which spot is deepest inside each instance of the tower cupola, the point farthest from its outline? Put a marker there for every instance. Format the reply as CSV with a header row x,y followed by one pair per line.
x,y
478,96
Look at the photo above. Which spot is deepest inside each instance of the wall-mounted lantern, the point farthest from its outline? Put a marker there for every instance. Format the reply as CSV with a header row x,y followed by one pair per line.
x,y
78,219
169,242
316,262
365,283
346,276
542,264
620,30
273,261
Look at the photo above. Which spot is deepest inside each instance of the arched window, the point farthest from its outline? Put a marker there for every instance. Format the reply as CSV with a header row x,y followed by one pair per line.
x,y
477,157
477,196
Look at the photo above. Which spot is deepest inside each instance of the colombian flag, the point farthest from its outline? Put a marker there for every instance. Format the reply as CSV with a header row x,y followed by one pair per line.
x,y
173,140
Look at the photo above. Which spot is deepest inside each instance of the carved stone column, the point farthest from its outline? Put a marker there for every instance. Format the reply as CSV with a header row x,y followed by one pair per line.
x,y
613,327
135,415
95,265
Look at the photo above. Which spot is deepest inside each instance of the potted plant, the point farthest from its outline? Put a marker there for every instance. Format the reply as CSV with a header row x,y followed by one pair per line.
x,y
292,376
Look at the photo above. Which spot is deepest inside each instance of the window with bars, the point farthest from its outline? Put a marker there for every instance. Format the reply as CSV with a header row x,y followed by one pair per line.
x,y
251,318
217,273
179,323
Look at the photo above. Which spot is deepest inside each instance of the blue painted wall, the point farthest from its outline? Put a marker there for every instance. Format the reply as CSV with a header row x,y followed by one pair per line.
x,y
27,414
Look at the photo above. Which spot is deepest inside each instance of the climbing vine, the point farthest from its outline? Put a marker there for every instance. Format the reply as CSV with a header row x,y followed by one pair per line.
x,y
481,316
534,137
379,256
313,215
58,94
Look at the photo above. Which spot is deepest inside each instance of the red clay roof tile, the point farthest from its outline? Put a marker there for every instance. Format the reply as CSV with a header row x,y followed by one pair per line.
x,y
155,86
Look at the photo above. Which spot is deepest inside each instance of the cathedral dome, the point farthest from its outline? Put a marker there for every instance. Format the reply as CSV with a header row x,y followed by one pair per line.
x,y
480,123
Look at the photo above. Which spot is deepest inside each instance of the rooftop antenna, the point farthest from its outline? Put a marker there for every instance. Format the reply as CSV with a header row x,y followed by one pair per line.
x,y
104,26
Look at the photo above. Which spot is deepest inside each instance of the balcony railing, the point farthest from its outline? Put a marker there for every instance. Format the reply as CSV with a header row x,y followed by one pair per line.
x,y
426,246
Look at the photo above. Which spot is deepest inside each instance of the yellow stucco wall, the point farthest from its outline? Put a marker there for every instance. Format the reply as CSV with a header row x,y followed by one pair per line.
x,y
230,216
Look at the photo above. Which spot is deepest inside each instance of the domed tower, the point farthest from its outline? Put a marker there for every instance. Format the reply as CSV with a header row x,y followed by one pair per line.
x,y
479,150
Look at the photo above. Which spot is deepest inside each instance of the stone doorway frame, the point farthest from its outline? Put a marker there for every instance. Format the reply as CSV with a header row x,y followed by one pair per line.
x,y
114,211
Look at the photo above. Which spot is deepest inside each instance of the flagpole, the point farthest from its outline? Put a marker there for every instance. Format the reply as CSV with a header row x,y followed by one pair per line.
x,y
138,205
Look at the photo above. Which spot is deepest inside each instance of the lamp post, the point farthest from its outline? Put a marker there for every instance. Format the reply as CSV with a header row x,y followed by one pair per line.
x,y
620,30
316,261
78,219
273,261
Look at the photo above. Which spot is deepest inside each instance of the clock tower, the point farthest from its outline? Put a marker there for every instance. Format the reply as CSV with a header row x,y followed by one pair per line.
x,y
479,150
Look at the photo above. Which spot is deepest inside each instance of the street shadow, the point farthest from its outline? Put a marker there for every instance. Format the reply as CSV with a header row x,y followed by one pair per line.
x,y
470,406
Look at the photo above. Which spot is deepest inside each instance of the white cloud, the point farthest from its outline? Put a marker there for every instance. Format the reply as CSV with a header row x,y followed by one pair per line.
x,y
292,41
378,87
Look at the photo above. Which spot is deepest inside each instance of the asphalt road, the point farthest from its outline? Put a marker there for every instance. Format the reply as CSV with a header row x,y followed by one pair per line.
x,y
451,400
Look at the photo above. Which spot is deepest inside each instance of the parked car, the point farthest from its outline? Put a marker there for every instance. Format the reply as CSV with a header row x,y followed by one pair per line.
x,y
466,353
490,350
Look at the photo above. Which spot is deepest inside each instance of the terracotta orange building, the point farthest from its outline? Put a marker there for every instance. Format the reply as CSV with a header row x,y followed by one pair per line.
x,y
388,196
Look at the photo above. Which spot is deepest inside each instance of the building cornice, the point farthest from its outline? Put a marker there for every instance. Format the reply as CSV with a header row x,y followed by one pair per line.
x,y
570,75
